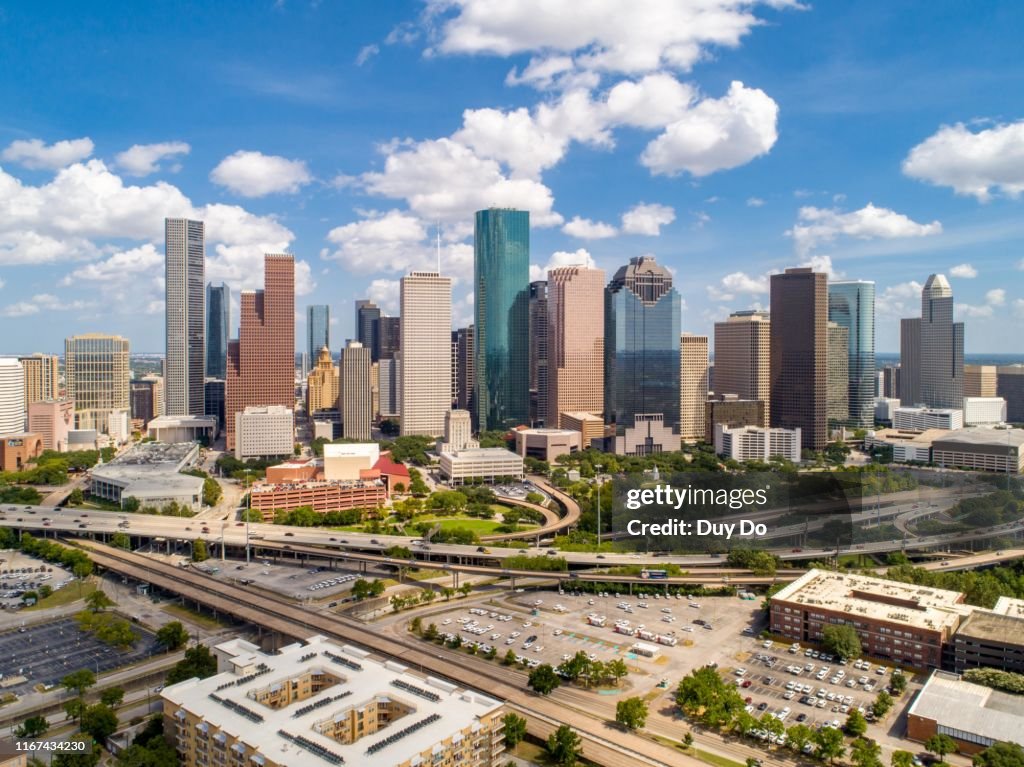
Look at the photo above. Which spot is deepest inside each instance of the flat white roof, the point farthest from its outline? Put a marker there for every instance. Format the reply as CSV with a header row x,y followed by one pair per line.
x,y
950,701
349,449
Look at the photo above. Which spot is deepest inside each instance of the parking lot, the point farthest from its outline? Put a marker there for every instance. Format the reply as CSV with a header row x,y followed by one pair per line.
x,y
20,573
45,653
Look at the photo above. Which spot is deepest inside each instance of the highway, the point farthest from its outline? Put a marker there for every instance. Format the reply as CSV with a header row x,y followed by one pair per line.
x,y
606,745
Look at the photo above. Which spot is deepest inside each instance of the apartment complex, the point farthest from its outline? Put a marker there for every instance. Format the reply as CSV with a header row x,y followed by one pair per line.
x,y
575,342
426,359
42,377
321,703
12,396
97,374
752,443
693,386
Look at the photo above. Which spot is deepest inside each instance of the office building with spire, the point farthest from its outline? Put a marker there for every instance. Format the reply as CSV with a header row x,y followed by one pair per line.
x,y
942,347
185,311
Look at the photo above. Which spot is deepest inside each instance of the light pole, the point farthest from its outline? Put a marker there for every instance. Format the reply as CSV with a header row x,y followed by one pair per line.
x,y
598,467
248,509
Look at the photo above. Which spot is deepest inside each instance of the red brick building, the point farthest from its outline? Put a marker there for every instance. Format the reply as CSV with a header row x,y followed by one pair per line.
x,y
321,495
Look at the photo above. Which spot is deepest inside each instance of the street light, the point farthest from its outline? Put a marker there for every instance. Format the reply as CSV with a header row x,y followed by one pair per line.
x,y
248,509
598,467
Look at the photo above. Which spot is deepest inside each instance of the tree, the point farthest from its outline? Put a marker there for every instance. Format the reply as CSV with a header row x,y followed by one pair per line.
x,y
1000,755
543,679
514,730
564,746
688,739
617,669
79,681
882,704
631,713
940,745
199,552
120,541
131,504
902,759
798,736
842,640
864,752
98,601
112,696
198,662
211,491
100,721
84,758
704,695
828,742
76,497
856,725
509,659
32,727
772,725
172,636
416,625
898,683
465,589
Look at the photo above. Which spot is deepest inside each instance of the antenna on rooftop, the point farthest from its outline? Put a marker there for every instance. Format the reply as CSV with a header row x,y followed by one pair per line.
x,y
439,248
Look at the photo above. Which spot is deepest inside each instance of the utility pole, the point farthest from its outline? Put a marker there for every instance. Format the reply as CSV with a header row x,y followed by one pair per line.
x,y
598,467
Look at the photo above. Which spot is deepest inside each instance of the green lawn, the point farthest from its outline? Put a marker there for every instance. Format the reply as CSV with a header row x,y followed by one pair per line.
x,y
65,596
207,621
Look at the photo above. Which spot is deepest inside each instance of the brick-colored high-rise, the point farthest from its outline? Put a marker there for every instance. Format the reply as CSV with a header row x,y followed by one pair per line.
x,y
575,342
742,358
261,361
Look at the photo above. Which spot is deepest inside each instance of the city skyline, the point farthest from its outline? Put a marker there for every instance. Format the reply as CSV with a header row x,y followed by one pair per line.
x,y
790,181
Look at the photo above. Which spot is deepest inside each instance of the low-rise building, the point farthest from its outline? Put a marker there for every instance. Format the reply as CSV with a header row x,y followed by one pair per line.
x,y
19,450
347,460
589,425
487,464
899,622
546,444
923,418
183,428
264,431
321,495
990,639
150,472
321,703
885,409
972,715
53,420
458,432
981,449
731,411
904,446
752,443
984,410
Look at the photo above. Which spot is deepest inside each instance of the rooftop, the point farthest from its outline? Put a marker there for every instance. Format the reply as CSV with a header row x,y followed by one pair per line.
x,y
154,454
996,437
983,624
949,700
877,599
294,731
922,438
1009,606
170,421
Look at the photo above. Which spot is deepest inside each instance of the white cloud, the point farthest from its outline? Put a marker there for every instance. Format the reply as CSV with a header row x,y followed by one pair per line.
x,y
390,242
513,138
995,297
366,53
44,302
738,283
254,174
143,159
652,102
900,300
754,202
1018,307
820,263
579,257
716,134
647,218
541,72
586,229
386,294
37,155
699,219
823,225
971,163
964,271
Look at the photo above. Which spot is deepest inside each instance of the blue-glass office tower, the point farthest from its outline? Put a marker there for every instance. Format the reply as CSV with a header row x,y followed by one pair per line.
x,y
641,341
501,271
318,329
851,304
218,323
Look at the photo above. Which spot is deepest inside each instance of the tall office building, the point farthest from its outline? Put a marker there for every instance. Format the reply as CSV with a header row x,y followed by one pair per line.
x,y
501,271
693,386
425,375
641,345
575,342
389,337
143,405
97,376
979,380
218,328
318,331
851,303
742,358
387,388
355,398
799,354
891,375
261,361
42,377
185,310
13,412
910,362
538,352
322,385
368,326
838,385
941,361
1010,386
465,378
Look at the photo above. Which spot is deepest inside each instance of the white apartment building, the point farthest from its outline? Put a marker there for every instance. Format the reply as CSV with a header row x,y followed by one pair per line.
x,y
984,410
753,443
425,379
12,396
483,463
923,418
264,431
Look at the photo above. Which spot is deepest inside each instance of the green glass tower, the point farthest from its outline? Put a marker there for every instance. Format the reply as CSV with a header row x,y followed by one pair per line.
x,y
501,267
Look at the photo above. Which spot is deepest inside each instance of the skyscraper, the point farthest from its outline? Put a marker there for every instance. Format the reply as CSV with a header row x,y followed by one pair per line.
x,y
575,342
368,326
12,396
42,377
323,385
354,400
910,362
851,303
742,358
261,361
942,347
799,354
641,344
389,337
693,386
425,373
838,385
318,330
218,324
538,352
465,378
501,271
97,375
185,310
979,380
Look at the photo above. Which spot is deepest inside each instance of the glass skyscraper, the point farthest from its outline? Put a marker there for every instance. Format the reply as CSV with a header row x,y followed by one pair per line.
x,y
218,322
318,329
851,304
501,266
368,327
641,341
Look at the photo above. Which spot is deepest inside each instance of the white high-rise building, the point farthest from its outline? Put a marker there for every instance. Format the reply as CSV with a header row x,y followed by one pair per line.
x,y
12,396
355,398
184,244
426,356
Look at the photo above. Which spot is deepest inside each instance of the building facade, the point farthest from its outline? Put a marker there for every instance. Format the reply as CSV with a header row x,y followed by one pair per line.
x,y
320,495
851,304
742,356
539,352
1000,450
356,392
546,444
261,361
218,328
752,443
910,362
980,380
465,368
97,374
984,410
387,388
921,418
52,420
838,375
318,329
323,385
731,411
42,377
942,346
12,396
185,312
1010,386
425,377
389,336
458,431
482,464
575,342
142,401
693,386
263,432
501,272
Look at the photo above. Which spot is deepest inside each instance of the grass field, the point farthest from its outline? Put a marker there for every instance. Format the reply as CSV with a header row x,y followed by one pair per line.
x,y
206,621
65,596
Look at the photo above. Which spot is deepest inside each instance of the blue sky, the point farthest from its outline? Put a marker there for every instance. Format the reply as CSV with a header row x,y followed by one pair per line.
x,y
877,140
